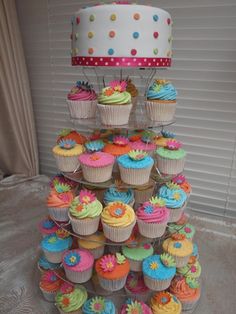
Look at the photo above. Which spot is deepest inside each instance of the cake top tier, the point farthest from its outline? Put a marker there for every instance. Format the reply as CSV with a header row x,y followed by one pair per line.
x,y
121,35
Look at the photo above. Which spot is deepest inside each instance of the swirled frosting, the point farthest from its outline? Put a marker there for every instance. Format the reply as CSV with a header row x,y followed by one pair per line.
x,y
49,281
131,88
81,94
136,306
162,90
138,253
155,269
73,301
182,291
174,198
126,162
98,305
45,264
53,243
93,241
114,195
116,98
179,248
81,211
96,160
165,303
76,150
85,262
118,214
151,213
60,200
135,283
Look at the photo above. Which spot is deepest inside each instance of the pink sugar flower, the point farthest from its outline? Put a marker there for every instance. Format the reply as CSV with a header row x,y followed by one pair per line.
x,y
118,86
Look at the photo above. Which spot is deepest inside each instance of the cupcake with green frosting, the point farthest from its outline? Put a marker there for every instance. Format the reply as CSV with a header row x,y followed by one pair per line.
x,y
192,269
114,104
84,213
71,298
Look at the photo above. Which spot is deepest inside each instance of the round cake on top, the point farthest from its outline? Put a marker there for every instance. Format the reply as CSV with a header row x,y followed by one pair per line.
x,y
121,35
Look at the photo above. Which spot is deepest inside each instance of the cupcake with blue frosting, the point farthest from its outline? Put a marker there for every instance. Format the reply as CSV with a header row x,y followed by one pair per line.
x,y
160,104
98,305
119,194
135,167
175,199
158,271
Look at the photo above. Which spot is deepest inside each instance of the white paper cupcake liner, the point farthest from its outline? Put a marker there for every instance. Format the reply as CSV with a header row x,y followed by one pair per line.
x,y
78,277
135,265
157,285
142,196
114,114
99,290
141,296
135,176
112,285
134,101
79,311
49,296
82,109
170,166
175,213
86,226
151,230
97,252
54,257
181,261
67,163
117,234
162,112
97,175
59,214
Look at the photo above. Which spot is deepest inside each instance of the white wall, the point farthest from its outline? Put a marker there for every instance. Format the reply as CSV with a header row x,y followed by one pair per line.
x,y
204,72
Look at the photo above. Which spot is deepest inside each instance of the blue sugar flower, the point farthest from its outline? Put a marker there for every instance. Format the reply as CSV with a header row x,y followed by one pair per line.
x,y
167,134
148,209
72,258
66,144
48,224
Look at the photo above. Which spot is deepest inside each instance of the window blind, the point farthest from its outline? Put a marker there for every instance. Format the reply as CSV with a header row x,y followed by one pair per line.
x,y
203,71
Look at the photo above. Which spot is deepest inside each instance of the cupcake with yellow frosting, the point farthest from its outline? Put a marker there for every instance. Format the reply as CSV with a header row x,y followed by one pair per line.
x,y
118,220
84,213
114,104
71,298
131,88
165,303
94,243
179,247
66,153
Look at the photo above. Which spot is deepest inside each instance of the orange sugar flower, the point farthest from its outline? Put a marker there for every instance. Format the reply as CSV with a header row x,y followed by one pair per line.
x,y
109,92
162,297
178,236
95,157
117,210
66,301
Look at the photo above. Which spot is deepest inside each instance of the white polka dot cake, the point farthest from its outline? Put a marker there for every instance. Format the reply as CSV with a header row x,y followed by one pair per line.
x,y
121,34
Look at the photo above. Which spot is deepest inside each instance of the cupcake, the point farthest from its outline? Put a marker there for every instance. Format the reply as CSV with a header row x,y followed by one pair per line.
x,y
66,153
183,184
145,143
114,104
161,139
69,134
192,269
82,101
118,220
94,243
188,230
71,298
164,302
158,271
144,192
84,213
135,167
98,191
49,284
171,158
112,271
131,88
135,287
135,306
161,101
97,287
152,218
137,254
119,194
179,247
78,265
47,226
55,245
98,305
187,290
58,202
175,199
44,264
60,179
97,167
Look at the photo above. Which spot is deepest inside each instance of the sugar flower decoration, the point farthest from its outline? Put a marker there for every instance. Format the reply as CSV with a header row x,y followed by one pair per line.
x,y
62,188
61,233
162,297
86,197
120,258
66,144
48,224
95,157
147,137
117,209
65,301
108,263
192,259
147,246
72,258
192,282
173,145
83,85
172,186
64,132
97,305
94,146
135,137
179,179
50,276
66,288
168,260
118,86
108,91
178,237
52,239
153,265
167,134
134,307
160,202
148,208
137,154
120,140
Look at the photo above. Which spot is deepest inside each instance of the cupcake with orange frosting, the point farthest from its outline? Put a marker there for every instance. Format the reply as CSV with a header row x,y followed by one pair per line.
x,y
94,243
97,167
152,218
187,290
179,247
135,286
84,213
165,303
183,184
49,284
131,88
135,306
70,134
112,271
58,202
118,220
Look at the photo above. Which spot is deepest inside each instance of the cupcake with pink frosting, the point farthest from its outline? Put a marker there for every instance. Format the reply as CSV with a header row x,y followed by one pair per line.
x,y
135,306
78,265
136,287
47,226
152,218
145,143
82,101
